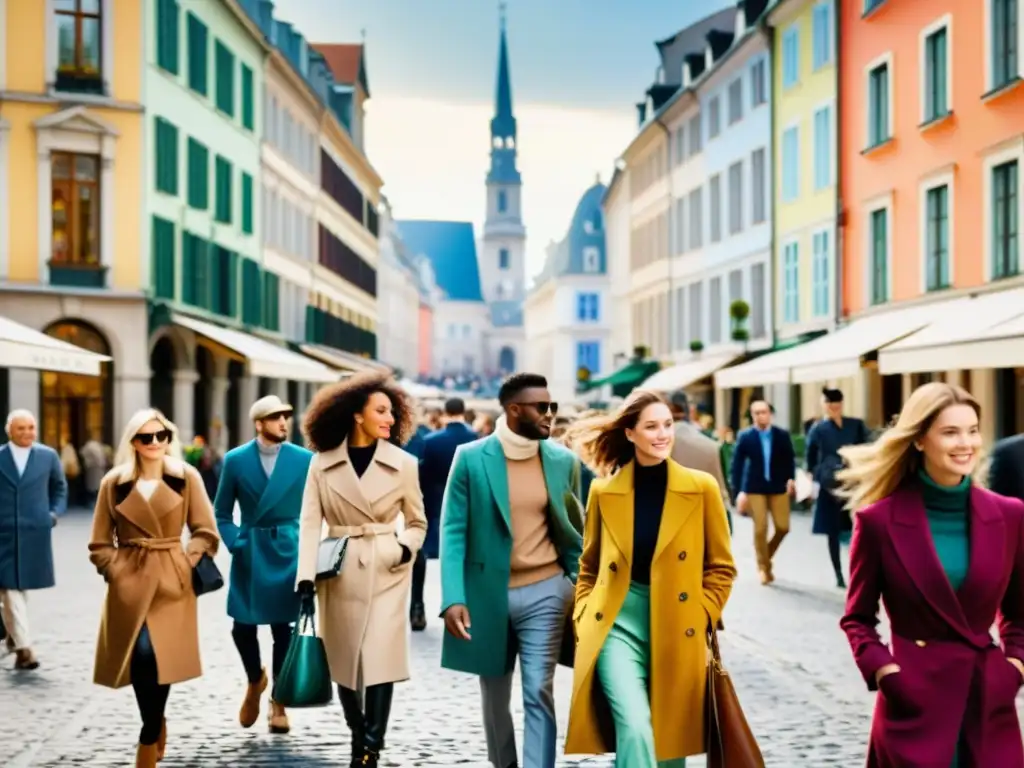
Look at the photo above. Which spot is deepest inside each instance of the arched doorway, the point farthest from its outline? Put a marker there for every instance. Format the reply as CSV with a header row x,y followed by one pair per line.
x,y
162,364
75,408
507,360
201,393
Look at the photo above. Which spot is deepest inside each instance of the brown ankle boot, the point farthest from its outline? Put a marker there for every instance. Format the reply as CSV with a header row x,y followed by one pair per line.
x,y
161,744
25,659
145,756
278,718
250,711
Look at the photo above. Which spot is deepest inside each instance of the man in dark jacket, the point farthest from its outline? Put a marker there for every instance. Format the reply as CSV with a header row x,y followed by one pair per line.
x,y
1006,472
435,463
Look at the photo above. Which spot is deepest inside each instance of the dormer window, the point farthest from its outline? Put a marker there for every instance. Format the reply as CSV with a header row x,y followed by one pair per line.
x,y
741,21
588,227
510,143
659,76
687,77
709,57
498,142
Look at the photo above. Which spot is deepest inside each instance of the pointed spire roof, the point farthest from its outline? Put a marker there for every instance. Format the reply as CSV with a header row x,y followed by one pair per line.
x,y
504,120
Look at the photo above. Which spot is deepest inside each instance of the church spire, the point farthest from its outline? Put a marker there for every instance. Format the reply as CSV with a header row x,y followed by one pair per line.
x,y
503,124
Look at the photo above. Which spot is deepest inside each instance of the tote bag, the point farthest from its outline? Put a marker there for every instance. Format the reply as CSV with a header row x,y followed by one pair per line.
x,y
305,678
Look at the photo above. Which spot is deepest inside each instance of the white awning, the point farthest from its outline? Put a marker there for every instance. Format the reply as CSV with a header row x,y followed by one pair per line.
x,y
262,357
342,360
772,368
683,375
23,347
986,332
420,391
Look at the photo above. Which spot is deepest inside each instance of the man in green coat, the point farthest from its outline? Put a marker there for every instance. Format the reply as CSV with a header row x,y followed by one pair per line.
x,y
509,558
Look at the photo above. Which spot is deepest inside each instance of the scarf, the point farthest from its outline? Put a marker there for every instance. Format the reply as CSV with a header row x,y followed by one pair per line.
x,y
516,447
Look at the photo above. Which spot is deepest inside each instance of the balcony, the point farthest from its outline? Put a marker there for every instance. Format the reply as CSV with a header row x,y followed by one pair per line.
x,y
77,276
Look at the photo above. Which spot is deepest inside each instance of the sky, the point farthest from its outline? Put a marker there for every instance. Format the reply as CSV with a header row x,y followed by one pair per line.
x,y
578,69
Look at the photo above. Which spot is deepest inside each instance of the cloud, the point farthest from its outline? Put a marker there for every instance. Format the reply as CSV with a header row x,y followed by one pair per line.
x,y
433,156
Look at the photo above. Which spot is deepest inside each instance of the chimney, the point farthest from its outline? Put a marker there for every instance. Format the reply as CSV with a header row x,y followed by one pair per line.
x,y
641,113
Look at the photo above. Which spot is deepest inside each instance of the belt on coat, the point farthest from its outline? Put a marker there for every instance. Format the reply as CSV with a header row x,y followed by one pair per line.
x,y
359,531
143,546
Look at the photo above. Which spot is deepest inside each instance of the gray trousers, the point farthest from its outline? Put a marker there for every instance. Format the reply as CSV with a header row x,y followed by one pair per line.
x,y
536,614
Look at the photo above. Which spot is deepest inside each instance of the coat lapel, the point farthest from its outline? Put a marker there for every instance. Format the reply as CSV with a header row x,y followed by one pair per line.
x,y
136,510
281,480
916,550
617,510
682,497
497,475
342,477
253,477
382,476
987,567
7,466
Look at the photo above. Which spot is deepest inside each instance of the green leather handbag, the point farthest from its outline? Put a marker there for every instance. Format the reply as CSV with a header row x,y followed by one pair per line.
x,y
305,678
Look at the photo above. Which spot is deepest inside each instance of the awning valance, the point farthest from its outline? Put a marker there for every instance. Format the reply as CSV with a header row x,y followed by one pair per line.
x,y
342,360
625,379
683,375
24,347
262,357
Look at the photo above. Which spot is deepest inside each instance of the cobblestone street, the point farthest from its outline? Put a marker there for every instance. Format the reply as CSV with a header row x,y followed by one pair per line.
x,y
792,667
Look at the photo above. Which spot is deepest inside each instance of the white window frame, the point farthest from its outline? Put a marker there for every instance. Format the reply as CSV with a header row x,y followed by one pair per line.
x,y
946,177
786,244
107,45
830,33
833,138
887,59
943,22
829,233
881,202
792,31
989,48
793,126
1004,153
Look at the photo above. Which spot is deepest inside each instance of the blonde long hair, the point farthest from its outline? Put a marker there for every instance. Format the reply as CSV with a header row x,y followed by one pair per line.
x,y
600,440
876,470
126,460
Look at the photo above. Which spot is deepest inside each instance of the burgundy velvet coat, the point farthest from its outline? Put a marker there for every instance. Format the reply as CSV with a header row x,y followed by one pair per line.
x,y
954,677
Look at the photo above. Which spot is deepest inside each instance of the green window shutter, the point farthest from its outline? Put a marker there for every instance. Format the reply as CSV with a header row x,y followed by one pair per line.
x,y
167,35
231,259
271,308
203,273
224,61
198,175
188,280
248,99
222,183
218,280
166,156
198,55
311,336
252,293
246,203
163,258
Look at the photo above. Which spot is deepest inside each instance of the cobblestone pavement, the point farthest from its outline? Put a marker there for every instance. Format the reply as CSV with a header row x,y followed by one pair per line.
x,y
791,666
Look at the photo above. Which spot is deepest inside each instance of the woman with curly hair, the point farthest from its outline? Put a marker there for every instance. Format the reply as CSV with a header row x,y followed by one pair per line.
x,y
360,481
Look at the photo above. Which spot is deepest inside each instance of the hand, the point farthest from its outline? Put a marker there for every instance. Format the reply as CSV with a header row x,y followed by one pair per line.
x,y
791,487
743,504
887,669
456,621
1018,664
406,554
307,595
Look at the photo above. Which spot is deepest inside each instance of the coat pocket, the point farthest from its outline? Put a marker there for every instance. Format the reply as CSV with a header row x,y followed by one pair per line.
x,y
898,693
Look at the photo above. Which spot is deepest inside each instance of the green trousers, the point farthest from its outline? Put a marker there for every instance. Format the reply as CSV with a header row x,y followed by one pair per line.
x,y
624,669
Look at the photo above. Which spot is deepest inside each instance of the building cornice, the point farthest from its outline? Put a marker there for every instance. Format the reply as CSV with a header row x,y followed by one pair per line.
x,y
784,11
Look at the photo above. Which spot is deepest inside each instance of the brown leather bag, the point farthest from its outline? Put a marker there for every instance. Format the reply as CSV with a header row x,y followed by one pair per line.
x,y
729,741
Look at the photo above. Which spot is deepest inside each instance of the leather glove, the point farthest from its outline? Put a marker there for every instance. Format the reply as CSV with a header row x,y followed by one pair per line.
x,y
307,593
406,554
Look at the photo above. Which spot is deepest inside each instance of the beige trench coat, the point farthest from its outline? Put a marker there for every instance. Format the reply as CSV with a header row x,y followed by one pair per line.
x,y
363,611
136,546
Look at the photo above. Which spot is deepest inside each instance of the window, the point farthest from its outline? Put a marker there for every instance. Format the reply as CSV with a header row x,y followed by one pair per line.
x,y
735,285
167,35
715,311
591,259
248,99
936,75
759,213
735,101
1005,21
336,183
790,164
346,263
247,223
198,54
696,208
1005,216
588,355
680,242
79,31
715,192
758,324
878,105
225,78
714,118
823,148
502,201
75,210
680,144
223,281
790,57
166,151
252,293
271,310
736,198
820,273
879,256
693,131
195,271
163,258
587,308
791,285
503,258
937,238
222,182
695,331
758,90
821,34
198,175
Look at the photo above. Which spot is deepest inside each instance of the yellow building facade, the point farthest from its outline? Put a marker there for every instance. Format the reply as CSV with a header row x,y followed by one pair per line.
x,y
71,197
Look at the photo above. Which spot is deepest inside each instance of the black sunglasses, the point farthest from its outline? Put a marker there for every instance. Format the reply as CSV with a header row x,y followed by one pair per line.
x,y
543,408
147,438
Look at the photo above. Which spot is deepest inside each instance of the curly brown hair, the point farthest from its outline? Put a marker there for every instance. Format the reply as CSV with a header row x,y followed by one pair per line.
x,y
600,440
331,414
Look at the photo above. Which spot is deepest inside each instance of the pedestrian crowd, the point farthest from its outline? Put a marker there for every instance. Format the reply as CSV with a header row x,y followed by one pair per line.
x,y
601,543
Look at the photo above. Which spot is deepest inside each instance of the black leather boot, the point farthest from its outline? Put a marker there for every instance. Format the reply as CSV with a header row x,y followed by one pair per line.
x,y
354,719
378,710
418,617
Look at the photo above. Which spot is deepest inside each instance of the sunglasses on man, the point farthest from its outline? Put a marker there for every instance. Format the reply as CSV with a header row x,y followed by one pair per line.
x,y
543,408
148,438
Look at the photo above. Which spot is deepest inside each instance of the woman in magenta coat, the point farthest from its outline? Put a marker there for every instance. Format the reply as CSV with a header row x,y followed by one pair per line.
x,y
946,557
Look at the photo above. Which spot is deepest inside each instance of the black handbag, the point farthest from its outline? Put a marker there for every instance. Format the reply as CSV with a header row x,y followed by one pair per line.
x,y
206,576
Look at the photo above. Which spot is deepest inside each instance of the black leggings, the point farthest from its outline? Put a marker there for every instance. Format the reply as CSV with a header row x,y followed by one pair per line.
x,y
149,693
248,644
419,576
833,553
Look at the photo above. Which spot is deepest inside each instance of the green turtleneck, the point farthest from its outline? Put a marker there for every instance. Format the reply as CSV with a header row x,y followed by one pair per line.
x,y
947,508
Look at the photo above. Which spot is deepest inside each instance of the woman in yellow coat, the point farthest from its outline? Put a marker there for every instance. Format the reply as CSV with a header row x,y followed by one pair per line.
x,y
655,573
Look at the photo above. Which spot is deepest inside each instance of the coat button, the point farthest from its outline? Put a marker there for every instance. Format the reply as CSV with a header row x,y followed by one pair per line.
x,y
690,632
683,597
598,616
613,567
920,643
682,555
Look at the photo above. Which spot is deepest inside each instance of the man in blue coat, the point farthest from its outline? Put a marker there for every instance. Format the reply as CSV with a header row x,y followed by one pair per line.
x,y
33,493
435,463
265,478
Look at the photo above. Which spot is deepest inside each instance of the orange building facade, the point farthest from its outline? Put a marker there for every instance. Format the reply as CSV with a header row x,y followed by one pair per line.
x,y
426,334
931,159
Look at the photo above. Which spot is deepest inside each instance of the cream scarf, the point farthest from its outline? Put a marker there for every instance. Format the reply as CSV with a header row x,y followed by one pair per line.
x,y
516,447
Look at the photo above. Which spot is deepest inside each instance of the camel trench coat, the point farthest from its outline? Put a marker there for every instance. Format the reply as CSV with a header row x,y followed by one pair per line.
x,y
691,578
136,546
363,610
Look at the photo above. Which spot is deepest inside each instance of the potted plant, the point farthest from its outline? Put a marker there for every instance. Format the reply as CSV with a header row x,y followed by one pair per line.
x,y
696,346
740,334
739,311
641,352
